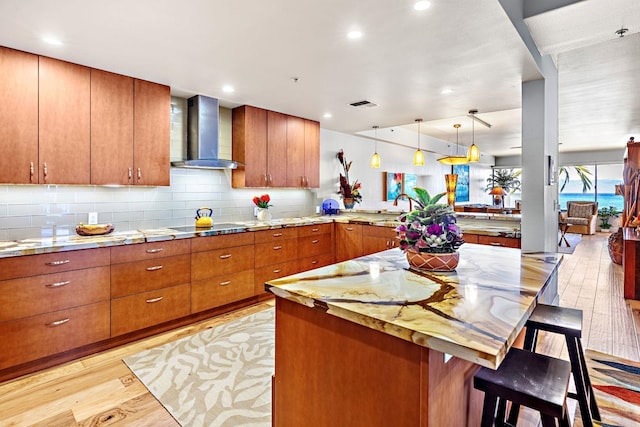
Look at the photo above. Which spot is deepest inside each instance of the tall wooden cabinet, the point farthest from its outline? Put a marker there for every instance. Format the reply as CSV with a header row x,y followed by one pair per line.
x,y
18,116
111,128
276,146
249,147
64,122
311,154
295,152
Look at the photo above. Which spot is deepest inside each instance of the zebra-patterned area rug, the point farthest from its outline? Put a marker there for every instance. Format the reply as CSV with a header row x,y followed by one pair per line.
x,y
218,377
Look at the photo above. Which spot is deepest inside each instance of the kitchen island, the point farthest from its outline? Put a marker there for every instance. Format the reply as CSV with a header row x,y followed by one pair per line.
x,y
368,342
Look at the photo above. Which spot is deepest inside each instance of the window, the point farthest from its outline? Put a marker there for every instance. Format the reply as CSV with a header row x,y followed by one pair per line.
x,y
590,183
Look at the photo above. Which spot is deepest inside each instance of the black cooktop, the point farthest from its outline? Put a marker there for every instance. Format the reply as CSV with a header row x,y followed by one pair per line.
x,y
220,228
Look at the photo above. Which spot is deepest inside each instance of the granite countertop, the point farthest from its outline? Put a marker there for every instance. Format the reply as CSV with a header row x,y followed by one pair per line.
x,y
69,243
474,313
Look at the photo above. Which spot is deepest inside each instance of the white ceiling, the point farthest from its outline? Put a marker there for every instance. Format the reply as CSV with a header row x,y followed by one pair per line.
x,y
402,62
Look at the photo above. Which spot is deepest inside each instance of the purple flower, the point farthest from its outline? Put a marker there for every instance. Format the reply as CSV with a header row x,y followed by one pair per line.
x,y
434,229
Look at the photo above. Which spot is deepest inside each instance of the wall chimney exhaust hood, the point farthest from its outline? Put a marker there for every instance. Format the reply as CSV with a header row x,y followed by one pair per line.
x,y
202,136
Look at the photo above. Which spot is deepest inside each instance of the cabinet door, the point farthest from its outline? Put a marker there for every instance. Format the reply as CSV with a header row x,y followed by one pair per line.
x,y
295,152
277,156
249,146
152,140
377,238
111,128
312,154
348,241
64,103
18,117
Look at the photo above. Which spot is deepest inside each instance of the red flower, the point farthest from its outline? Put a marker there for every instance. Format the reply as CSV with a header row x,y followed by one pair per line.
x,y
262,201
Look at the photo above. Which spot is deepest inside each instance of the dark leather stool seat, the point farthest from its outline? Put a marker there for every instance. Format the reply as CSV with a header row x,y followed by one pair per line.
x,y
536,381
568,322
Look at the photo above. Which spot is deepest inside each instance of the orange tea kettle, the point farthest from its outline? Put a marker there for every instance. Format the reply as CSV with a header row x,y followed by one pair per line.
x,y
203,218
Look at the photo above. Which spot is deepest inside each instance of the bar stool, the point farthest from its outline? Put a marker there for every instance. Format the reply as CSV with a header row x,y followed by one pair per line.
x,y
534,380
568,322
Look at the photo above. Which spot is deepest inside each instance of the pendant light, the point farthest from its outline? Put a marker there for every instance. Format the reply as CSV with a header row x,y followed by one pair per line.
x,y
418,156
457,159
473,154
375,159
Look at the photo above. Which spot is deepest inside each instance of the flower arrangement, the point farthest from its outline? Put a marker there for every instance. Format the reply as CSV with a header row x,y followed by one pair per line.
x,y
262,201
348,190
431,228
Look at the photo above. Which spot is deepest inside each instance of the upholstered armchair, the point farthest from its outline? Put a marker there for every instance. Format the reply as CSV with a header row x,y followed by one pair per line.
x,y
582,216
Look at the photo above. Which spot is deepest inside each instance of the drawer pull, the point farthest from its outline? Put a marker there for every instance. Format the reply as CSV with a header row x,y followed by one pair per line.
x,y
154,251
155,267
277,270
315,241
54,263
314,262
57,284
225,283
225,256
495,244
58,322
152,300
349,228
315,230
277,248
277,234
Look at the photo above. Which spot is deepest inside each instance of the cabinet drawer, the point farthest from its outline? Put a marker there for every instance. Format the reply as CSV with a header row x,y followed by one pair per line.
x,y
224,261
276,252
315,245
154,250
142,276
271,272
312,230
208,243
507,242
470,238
276,235
36,337
150,308
30,296
309,263
379,231
33,265
221,290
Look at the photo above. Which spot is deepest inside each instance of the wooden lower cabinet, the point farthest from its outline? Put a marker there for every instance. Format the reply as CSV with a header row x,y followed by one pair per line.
x,y
317,261
377,238
220,290
507,242
222,261
35,337
348,241
141,276
272,272
151,308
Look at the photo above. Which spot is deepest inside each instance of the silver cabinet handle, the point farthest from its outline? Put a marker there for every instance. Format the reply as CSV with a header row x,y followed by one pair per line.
x,y
277,270
57,284
155,267
225,283
495,244
349,228
152,300
225,256
315,230
277,248
130,175
32,171
45,171
154,251
139,174
314,262
61,262
315,241
277,234
58,322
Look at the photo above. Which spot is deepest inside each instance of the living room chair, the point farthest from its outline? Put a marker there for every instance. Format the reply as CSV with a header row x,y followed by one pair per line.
x,y
582,216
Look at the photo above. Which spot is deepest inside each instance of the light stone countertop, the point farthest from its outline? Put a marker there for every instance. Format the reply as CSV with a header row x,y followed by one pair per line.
x,y
474,313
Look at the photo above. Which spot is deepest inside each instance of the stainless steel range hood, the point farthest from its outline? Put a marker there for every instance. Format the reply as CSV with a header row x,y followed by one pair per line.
x,y
202,136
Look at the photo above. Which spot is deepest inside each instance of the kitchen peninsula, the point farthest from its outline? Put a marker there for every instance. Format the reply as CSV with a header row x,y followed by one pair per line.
x,y
368,342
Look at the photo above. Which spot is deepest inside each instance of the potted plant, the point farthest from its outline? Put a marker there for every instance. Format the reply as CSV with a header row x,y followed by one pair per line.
x,y
350,193
262,203
429,234
604,214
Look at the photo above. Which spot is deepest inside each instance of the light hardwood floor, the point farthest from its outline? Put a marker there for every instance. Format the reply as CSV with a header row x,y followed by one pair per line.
x,y
101,391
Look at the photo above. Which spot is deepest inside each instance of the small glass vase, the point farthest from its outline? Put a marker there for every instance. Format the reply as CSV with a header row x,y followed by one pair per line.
x,y
264,214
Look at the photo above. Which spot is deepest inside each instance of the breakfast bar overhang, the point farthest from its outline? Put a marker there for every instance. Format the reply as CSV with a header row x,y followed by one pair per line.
x,y
369,342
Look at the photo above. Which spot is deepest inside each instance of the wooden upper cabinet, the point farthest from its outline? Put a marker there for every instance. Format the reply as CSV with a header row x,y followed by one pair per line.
x,y
152,139
18,117
111,128
64,120
277,150
295,152
312,154
249,146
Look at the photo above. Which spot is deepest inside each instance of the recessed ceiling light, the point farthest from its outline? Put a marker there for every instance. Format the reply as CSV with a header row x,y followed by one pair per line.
x,y
52,40
228,89
446,91
354,34
422,5
327,115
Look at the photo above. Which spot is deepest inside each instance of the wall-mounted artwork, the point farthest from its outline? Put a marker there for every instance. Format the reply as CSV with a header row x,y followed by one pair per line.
x,y
462,189
409,184
391,185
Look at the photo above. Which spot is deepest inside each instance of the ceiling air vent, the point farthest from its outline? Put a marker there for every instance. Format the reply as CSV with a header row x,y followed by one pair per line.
x,y
364,103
